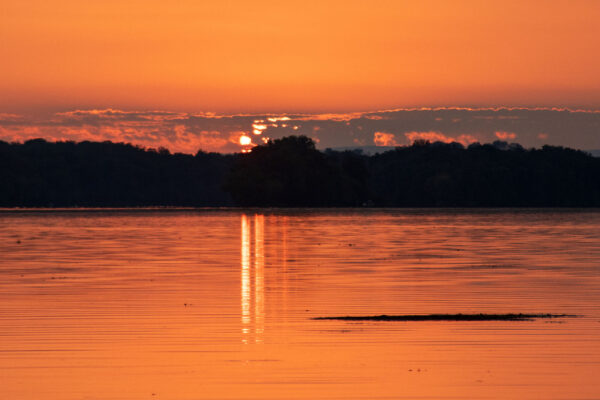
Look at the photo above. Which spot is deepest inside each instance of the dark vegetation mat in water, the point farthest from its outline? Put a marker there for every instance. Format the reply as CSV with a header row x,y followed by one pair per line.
x,y
447,317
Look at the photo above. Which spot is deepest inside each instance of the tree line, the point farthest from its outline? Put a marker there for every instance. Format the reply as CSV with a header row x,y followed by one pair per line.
x,y
291,172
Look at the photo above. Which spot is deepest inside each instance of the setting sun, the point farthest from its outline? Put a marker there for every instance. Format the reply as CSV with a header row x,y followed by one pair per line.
x,y
245,140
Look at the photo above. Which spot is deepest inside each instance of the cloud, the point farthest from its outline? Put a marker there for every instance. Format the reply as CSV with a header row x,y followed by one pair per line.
x,y
189,132
384,139
440,137
506,135
9,117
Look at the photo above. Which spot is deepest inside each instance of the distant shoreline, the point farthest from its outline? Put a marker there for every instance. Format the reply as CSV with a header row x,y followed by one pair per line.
x,y
291,173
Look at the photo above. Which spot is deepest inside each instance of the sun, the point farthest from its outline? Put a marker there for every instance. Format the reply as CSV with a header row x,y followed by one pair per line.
x,y
245,140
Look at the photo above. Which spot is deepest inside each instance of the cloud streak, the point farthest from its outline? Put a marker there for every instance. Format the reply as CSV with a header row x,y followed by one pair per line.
x,y
384,139
190,132
506,135
440,137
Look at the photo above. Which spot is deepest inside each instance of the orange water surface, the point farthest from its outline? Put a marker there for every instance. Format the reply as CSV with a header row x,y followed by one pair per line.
x,y
217,304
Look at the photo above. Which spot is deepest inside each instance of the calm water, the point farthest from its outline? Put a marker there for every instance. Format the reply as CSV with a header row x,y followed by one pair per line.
x,y
218,304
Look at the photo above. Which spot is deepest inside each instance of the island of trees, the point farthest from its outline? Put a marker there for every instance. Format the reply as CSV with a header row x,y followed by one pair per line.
x,y
291,172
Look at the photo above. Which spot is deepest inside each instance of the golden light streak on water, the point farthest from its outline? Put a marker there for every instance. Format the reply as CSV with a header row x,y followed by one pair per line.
x,y
259,276
245,256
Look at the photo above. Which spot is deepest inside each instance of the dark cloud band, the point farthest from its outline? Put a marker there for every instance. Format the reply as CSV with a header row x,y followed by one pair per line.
x,y
187,132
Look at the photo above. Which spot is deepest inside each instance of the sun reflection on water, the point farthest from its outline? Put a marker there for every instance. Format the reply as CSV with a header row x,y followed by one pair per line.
x,y
245,274
259,275
253,292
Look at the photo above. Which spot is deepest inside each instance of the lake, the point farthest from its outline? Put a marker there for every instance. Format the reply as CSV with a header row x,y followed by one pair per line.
x,y
218,304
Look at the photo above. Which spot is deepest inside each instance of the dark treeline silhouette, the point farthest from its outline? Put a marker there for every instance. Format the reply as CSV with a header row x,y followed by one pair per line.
x,y
291,172
90,174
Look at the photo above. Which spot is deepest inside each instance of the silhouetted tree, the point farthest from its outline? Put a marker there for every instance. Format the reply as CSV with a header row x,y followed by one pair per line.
x,y
287,172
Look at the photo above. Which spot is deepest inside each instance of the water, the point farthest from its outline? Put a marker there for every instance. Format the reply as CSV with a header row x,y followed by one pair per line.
x,y
201,304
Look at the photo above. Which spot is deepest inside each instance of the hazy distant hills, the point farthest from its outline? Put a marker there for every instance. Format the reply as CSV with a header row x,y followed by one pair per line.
x,y
595,153
370,150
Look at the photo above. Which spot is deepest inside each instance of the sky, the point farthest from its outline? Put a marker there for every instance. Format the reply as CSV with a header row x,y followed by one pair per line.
x,y
198,74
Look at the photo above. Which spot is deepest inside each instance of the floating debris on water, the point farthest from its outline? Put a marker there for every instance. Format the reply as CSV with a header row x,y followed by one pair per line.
x,y
447,317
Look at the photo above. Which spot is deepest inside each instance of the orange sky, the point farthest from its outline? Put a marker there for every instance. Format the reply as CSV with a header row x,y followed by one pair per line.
x,y
297,56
